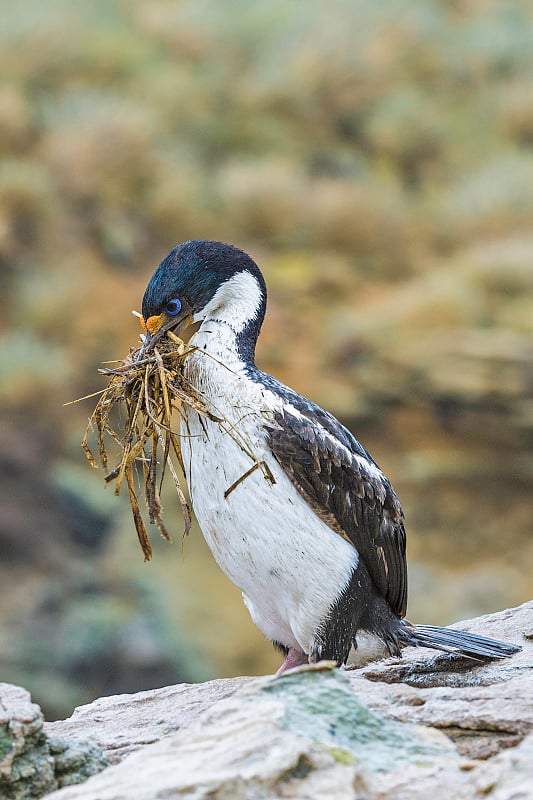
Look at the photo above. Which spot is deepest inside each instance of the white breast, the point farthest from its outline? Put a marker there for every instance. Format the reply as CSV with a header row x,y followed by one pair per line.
x,y
290,565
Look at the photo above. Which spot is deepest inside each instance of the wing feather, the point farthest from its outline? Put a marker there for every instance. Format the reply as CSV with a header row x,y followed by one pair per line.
x,y
346,488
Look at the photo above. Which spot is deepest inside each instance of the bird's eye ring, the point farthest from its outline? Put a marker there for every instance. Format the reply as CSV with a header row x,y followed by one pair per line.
x,y
173,307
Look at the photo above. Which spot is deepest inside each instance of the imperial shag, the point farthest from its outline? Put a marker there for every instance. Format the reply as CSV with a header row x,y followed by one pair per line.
x,y
318,551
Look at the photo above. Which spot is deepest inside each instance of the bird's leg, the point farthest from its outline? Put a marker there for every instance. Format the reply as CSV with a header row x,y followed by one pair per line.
x,y
294,658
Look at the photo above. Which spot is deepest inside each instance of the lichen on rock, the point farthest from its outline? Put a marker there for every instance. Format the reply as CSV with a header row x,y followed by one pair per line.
x,y
32,764
320,705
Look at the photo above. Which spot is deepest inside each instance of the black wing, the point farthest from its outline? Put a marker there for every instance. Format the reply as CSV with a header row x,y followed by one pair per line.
x,y
345,488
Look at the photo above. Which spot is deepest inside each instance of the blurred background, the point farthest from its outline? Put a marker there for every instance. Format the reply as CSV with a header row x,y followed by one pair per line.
x,y
376,159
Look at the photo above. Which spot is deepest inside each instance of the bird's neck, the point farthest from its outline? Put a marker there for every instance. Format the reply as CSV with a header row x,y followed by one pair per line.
x,y
218,340
231,321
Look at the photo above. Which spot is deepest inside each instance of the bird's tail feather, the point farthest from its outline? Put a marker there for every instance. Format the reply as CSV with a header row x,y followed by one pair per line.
x,y
463,643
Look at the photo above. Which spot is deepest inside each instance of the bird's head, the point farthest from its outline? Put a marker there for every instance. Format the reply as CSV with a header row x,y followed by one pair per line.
x,y
201,280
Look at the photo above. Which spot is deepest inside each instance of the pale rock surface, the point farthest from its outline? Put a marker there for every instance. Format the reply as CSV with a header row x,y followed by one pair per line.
x,y
122,723
508,776
303,735
482,707
370,733
375,733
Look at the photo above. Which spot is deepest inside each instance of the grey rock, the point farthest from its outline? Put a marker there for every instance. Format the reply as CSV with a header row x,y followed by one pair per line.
x,y
483,707
375,732
508,776
123,723
302,735
32,764
75,760
26,765
407,729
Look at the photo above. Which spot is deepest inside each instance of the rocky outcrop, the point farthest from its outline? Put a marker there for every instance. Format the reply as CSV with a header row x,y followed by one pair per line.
x,y
305,735
124,723
402,728
33,763
481,707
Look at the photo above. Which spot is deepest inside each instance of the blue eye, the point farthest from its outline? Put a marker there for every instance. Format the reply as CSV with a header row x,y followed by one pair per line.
x,y
173,307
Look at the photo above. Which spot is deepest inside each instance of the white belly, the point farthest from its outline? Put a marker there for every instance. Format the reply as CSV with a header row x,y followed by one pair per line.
x,y
290,566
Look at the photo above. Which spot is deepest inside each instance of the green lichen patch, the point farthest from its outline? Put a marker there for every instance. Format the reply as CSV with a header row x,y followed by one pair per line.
x,y
31,774
7,741
32,765
75,761
341,755
320,705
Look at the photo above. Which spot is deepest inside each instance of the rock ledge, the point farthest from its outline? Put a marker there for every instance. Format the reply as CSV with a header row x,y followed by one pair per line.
x,y
402,728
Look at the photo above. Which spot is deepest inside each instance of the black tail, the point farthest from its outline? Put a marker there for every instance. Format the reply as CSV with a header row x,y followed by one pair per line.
x,y
461,642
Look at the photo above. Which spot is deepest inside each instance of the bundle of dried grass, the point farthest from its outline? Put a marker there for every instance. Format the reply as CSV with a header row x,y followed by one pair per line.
x,y
150,386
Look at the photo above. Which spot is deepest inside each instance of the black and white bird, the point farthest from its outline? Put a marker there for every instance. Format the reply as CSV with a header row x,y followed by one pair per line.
x,y
318,551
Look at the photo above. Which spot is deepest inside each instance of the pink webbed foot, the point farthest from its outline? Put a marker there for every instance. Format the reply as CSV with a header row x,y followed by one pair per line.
x,y
295,658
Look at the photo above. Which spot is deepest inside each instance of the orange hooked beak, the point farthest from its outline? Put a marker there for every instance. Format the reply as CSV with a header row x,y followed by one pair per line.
x,y
153,324
159,323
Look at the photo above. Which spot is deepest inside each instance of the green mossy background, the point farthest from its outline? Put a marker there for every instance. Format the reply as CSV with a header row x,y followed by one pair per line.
x,y
376,159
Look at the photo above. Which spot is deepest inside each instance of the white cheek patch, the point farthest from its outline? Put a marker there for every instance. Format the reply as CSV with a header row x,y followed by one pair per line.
x,y
236,302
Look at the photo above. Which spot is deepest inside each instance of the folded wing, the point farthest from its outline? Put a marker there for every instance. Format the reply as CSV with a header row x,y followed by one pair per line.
x,y
345,488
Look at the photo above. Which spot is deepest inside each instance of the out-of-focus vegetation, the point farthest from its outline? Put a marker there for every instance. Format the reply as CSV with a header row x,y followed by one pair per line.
x,y
376,159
